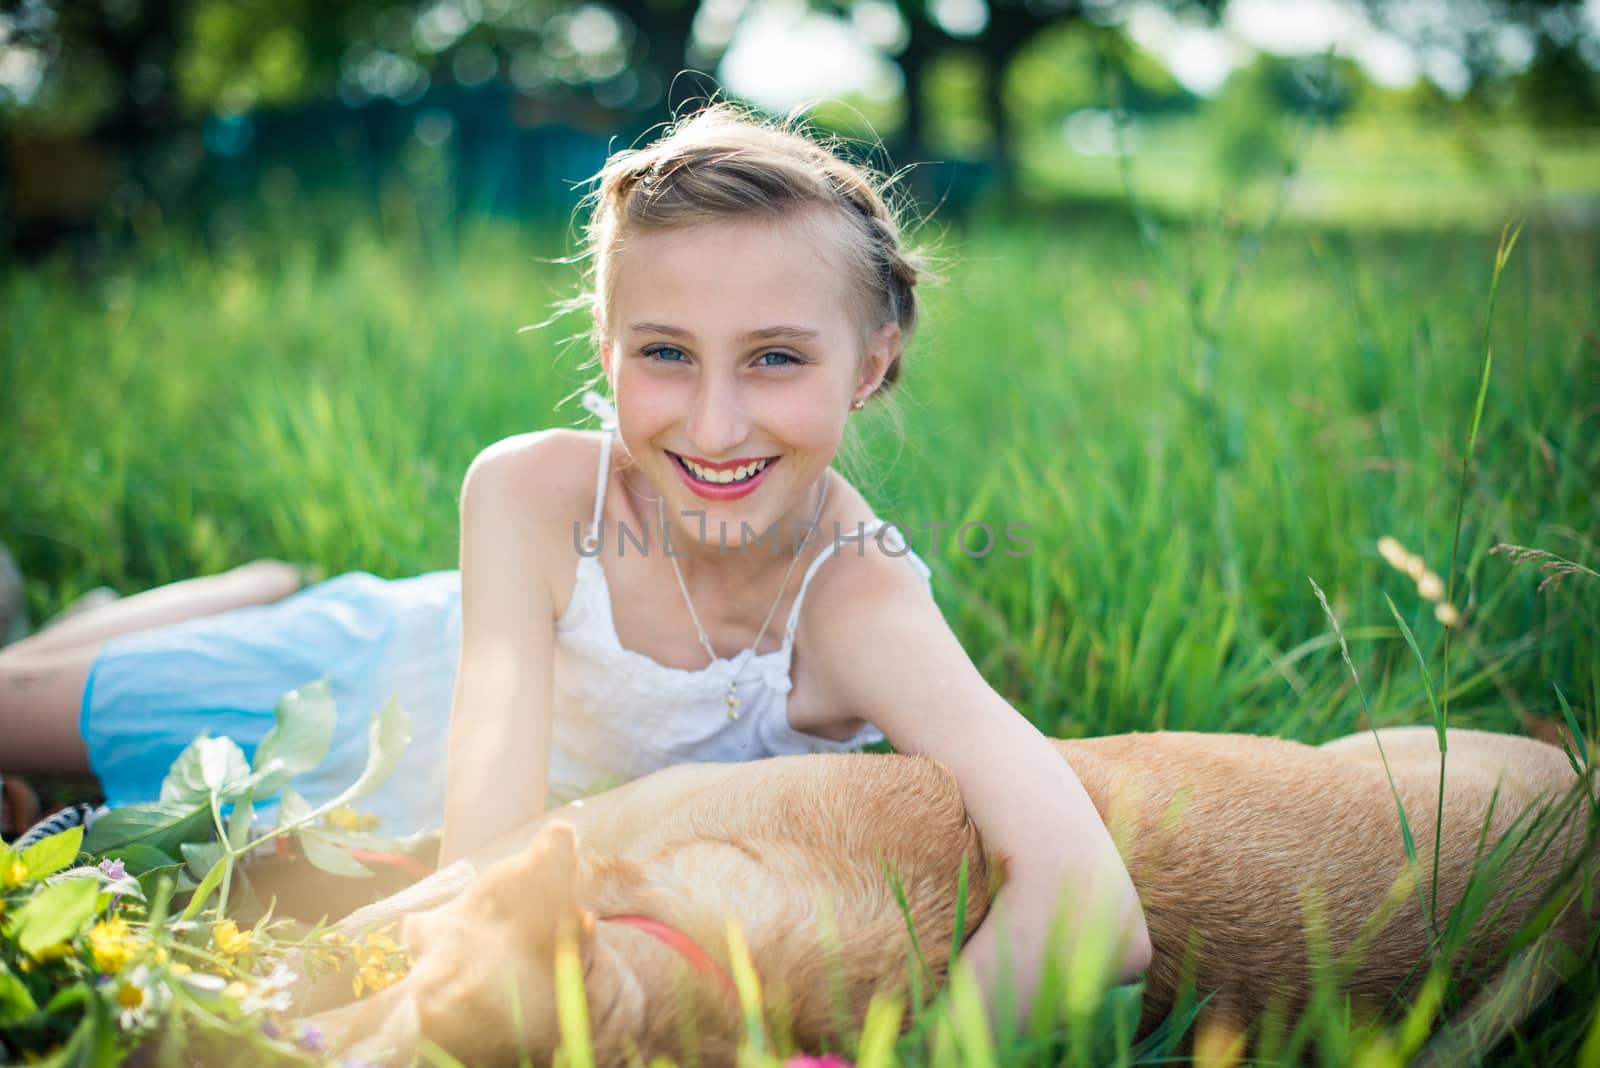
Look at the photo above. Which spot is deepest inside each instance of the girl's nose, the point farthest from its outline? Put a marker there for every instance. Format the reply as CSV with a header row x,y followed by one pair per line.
x,y
717,423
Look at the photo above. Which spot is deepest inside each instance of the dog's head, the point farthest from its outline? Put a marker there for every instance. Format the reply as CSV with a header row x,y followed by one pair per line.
x,y
482,977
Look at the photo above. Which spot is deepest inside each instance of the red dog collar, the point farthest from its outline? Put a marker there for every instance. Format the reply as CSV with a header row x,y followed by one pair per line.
x,y
688,948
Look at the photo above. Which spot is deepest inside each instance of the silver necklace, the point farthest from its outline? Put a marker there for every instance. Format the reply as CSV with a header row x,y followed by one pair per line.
x,y
731,698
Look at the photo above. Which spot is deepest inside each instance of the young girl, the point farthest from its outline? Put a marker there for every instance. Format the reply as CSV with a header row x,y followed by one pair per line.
x,y
691,582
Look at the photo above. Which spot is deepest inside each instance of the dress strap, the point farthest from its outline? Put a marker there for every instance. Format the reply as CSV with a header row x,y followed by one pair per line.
x,y
607,413
892,541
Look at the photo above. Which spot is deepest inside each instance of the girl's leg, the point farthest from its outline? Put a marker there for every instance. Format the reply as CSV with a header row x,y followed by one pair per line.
x,y
260,582
42,676
41,698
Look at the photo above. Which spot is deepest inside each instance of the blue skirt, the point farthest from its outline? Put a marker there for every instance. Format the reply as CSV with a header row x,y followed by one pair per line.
x,y
150,694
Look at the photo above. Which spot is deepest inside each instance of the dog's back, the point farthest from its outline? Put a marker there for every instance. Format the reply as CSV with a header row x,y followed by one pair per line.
x,y
1266,861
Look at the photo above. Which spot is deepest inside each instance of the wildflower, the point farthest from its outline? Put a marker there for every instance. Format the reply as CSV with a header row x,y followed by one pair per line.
x,y
114,870
111,945
380,962
1431,587
1446,614
831,1060
311,1039
345,818
229,940
270,994
138,998
14,874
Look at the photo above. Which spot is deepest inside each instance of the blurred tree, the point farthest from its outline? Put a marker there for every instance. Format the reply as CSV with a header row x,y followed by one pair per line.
x,y
966,49
1543,54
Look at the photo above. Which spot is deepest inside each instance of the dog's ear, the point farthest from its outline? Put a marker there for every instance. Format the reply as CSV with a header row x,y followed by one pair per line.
x,y
537,893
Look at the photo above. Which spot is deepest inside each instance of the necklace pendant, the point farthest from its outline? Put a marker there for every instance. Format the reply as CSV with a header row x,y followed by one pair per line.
x,y
732,700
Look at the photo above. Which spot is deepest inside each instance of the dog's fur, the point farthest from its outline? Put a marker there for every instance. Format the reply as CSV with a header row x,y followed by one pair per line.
x,y
1239,847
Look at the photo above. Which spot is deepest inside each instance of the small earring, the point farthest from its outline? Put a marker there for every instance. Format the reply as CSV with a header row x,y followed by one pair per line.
x,y
856,406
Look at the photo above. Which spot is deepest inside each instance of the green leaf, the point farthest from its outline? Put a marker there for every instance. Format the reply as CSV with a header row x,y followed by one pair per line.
x,y
54,853
207,885
239,821
16,1003
161,825
94,1043
292,808
207,765
150,880
138,859
299,741
329,857
1422,663
387,738
55,914
78,994
201,857
1572,726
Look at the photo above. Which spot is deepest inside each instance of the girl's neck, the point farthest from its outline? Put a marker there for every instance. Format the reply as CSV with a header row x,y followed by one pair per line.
x,y
719,559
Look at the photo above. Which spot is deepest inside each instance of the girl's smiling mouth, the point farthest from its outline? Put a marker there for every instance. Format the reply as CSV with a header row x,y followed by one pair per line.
x,y
723,482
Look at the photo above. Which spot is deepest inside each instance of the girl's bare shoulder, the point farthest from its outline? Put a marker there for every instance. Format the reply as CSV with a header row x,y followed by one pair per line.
x,y
543,469
536,489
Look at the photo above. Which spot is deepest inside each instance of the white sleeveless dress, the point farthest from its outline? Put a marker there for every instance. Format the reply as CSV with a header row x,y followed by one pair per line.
x,y
618,714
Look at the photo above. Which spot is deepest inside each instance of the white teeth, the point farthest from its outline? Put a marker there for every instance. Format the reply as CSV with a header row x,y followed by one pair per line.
x,y
738,474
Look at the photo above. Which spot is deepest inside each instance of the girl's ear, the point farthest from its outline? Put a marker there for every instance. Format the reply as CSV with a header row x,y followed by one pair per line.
x,y
605,356
883,350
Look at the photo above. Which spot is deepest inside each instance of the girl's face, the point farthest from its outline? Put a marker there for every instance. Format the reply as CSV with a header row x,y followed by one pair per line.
x,y
734,345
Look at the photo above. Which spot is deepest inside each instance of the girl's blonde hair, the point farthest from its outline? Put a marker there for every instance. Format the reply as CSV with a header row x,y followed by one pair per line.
x,y
724,163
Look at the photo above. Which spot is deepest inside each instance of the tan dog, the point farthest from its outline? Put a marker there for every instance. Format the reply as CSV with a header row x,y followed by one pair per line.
x,y
1235,843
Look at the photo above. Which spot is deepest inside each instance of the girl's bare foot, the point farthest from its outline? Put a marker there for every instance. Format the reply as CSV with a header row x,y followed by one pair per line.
x,y
19,807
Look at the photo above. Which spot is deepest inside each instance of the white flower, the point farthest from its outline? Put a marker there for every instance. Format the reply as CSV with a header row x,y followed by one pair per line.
x,y
272,993
138,998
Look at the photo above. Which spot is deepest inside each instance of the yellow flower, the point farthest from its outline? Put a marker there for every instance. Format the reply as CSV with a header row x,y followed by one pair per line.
x,y
345,818
111,945
380,962
15,873
229,940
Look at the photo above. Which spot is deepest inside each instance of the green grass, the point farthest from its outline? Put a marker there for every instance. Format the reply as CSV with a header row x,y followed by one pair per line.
x,y
1191,427
1394,170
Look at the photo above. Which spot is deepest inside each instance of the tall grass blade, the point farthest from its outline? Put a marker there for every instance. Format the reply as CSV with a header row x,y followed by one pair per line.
x,y
1439,726
572,1004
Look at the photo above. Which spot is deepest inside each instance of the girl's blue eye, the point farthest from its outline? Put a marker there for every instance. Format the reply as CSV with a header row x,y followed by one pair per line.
x,y
665,353
787,359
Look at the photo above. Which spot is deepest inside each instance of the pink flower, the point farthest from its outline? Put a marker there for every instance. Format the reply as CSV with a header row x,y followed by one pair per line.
x,y
832,1060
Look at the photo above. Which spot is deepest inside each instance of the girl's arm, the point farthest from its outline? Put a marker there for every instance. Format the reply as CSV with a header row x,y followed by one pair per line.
x,y
501,714
895,662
